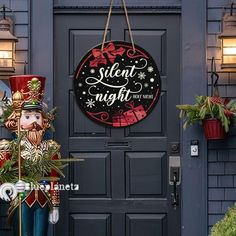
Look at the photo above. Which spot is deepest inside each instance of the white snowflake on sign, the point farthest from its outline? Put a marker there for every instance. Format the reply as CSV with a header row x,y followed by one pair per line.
x,y
150,69
90,103
141,75
146,85
80,84
152,80
92,71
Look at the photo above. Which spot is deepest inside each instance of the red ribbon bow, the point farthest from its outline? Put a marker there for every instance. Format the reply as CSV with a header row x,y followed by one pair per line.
x,y
130,105
119,113
111,53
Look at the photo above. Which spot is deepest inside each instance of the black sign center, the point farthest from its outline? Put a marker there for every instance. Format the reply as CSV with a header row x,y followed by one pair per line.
x,y
117,87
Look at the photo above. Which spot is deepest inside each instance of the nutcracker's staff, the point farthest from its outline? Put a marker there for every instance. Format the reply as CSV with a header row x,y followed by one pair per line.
x,y
17,100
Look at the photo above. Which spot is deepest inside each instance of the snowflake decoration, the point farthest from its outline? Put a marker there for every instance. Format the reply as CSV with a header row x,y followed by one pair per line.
x,y
146,85
150,69
90,103
92,71
80,84
151,80
141,75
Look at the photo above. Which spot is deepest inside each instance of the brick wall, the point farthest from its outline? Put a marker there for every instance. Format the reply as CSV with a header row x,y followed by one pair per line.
x,y
21,31
221,154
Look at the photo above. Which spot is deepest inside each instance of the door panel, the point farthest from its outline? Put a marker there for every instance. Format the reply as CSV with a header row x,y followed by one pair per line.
x,y
148,38
124,188
81,126
145,224
157,118
145,182
98,181
89,38
90,224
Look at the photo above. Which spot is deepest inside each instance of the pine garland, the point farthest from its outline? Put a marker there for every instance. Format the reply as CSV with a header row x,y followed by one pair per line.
x,y
8,173
32,171
207,108
6,109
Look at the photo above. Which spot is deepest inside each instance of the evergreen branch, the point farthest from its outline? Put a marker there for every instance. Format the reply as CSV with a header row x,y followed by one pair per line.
x,y
208,108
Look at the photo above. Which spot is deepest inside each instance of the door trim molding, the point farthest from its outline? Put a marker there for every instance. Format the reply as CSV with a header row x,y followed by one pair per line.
x,y
41,43
194,82
117,9
41,48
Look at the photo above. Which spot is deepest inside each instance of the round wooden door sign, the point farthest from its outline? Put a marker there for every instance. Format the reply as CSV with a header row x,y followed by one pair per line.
x,y
117,87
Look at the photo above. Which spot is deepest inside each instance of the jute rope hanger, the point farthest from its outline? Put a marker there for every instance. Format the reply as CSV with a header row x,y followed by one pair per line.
x,y
108,21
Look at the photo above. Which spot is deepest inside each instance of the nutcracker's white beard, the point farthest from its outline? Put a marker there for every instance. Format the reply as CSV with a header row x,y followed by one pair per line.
x,y
34,133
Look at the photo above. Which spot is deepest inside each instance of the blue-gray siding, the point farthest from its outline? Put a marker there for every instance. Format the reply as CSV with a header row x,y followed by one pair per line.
x,y
221,154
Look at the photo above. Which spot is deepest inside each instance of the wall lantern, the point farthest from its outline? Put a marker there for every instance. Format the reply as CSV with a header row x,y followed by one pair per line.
x,y
7,45
228,40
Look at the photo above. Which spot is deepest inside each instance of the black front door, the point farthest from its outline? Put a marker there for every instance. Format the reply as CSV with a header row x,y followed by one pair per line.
x,y
124,179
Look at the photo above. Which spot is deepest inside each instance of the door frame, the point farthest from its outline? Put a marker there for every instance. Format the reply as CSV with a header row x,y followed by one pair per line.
x,y
194,184
194,170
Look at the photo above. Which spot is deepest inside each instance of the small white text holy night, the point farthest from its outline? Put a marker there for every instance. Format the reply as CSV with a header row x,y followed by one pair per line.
x,y
143,96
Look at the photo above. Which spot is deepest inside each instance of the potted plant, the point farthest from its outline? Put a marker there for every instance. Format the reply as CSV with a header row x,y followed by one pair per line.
x,y
214,113
226,226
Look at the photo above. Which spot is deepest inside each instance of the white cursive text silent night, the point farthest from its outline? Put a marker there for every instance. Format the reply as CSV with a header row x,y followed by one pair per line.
x,y
122,94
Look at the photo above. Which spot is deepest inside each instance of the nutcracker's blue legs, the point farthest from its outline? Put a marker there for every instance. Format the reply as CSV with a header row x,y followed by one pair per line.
x,y
34,220
41,221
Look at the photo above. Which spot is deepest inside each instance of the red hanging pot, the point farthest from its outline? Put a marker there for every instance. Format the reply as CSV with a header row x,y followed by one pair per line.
x,y
213,129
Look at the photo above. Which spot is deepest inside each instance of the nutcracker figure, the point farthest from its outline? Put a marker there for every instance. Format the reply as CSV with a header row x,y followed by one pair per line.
x,y
31,156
